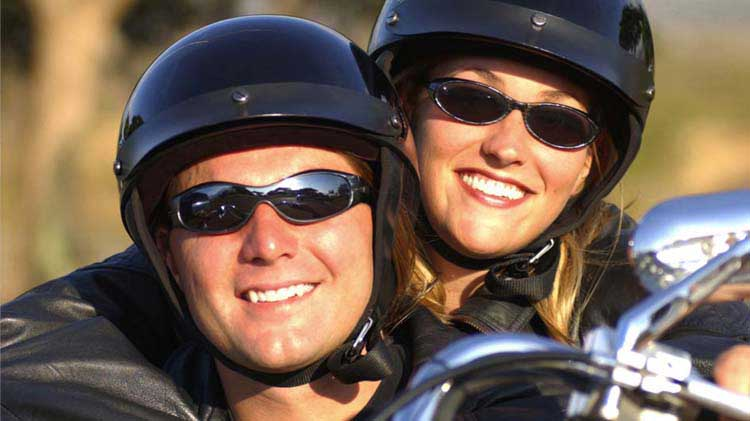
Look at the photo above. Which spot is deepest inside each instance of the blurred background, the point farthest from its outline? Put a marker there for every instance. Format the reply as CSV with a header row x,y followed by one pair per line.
x,y
68,67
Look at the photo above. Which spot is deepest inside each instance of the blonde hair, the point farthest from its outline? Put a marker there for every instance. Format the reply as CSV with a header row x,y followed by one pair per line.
x,y
556,311
414,283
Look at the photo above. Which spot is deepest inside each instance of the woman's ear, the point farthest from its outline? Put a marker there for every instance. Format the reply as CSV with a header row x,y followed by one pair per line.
x,y
584,173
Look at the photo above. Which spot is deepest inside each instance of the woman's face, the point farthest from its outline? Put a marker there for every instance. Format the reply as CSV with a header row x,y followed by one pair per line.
x,y
237,285
490,190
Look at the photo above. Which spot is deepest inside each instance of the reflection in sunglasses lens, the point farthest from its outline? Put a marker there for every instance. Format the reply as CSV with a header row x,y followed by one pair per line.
x,y
329,196
223,207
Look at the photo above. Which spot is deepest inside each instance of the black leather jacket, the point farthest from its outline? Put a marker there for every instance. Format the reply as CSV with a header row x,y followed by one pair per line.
x,y
100,343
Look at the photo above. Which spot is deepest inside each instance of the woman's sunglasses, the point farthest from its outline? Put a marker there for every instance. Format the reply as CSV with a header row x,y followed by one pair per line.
x,y
471,102
303,198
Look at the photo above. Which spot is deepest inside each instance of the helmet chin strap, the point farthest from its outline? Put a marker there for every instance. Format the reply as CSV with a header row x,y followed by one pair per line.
x,y
375,365
346,362
527,274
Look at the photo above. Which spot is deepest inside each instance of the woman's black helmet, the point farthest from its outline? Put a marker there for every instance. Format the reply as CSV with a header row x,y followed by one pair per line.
x,y
253,81
605,45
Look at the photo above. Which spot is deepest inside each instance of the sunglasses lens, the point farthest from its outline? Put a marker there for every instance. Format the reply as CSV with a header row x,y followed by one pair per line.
x,y
471,103
225,207
560,126
312,196
216,207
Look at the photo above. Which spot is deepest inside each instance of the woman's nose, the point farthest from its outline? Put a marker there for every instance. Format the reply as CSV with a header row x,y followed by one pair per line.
x,y
267,237
506,141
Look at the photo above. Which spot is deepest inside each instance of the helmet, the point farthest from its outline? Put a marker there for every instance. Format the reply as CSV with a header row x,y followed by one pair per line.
x,y
607,46
263,80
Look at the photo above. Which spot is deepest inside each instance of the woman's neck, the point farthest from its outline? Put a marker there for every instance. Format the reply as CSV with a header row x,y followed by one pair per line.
x,y
325,398
459,282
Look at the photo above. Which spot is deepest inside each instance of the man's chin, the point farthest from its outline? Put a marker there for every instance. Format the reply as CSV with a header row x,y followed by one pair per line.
x,y
276,363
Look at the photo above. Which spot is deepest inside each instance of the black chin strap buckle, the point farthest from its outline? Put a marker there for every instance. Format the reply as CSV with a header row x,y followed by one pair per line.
x,y
356,349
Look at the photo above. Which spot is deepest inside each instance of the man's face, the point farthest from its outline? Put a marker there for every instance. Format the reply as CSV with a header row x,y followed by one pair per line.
x,y
233,282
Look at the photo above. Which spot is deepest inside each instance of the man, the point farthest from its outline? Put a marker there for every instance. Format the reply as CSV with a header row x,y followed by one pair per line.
x,y
260,173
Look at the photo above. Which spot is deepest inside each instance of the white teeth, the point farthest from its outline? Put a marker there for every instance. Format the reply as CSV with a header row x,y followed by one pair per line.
x,y
281,294
492,187
252,296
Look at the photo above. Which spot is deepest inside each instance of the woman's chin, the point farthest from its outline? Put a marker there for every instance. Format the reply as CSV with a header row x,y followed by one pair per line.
x,y
480,241
484,246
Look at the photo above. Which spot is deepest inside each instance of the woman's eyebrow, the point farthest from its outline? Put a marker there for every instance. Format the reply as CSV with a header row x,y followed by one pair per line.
x,y
488,76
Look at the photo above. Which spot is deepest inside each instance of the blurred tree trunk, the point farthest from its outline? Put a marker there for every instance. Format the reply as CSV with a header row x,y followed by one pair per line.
x,y
74,41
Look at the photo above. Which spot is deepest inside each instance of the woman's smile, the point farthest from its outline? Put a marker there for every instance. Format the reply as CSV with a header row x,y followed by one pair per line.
x,y
492,191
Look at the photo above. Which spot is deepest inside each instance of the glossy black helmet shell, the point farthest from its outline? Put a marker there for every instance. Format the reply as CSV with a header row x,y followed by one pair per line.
x,y
252,70
606,45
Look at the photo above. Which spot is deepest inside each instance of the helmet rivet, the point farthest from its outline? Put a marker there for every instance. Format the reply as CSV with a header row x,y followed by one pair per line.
x,y
396,122
392,19
650,92
117,167
239,97
538,20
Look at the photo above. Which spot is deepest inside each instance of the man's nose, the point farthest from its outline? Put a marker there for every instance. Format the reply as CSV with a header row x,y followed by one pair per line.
x,y
506,141
268,237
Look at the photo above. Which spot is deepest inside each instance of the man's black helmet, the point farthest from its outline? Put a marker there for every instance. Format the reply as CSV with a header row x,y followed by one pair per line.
x,y
605,45
253,81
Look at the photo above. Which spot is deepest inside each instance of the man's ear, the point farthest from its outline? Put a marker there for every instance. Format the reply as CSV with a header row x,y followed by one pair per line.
x,y
161,237
585,170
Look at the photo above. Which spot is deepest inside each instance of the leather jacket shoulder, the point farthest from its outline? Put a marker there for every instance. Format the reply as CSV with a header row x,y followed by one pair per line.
x,y
122,289
90,345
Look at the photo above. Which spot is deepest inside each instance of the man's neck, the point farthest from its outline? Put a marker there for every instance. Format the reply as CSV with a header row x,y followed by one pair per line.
x,y
325,398
459,282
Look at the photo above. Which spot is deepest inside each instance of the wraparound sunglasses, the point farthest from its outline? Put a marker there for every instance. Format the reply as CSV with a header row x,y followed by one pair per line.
x,y
472,102
304,198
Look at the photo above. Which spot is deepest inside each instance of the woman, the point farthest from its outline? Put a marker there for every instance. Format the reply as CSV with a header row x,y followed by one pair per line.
x,y
525,114
269,199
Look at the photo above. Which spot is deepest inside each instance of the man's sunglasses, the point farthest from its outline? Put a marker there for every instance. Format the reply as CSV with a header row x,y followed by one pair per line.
x,y
303,198
471,102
